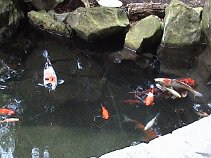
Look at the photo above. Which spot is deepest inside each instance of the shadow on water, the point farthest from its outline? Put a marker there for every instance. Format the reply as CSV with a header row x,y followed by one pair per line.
x,y
62,121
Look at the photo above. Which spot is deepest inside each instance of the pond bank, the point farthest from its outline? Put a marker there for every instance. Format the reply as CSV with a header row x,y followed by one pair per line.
x,y
193,141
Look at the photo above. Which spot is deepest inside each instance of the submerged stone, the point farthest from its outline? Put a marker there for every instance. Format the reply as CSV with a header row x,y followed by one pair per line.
x,y
204,65
97,22
147,30
44,20
182,25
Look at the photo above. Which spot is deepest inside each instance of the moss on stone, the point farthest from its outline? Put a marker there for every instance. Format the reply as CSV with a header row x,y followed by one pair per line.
x,y
146,28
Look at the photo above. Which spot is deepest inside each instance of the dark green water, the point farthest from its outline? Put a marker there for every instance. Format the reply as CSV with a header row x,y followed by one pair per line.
x,y
62,121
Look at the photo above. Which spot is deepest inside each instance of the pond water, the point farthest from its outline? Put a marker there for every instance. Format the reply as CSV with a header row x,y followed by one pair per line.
x,y
66,122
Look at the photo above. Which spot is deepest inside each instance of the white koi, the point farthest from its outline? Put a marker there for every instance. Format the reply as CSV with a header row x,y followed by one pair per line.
x,y
151,122
50,80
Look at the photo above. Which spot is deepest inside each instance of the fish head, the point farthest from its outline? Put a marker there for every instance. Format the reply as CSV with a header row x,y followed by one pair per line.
x,y
149,99
50,86
159,80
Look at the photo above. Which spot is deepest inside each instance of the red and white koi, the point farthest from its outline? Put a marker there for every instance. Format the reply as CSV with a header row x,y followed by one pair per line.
x,y
50,80
174,83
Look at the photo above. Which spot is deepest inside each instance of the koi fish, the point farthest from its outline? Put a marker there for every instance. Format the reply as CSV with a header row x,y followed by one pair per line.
x,y
104,113
201,114
149,100
151,122
5,111
49,78
148,134
173,92
177,84
9,120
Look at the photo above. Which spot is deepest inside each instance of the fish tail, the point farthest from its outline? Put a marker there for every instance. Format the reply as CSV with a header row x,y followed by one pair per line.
x,y
197,94
157,115
45,54
126,118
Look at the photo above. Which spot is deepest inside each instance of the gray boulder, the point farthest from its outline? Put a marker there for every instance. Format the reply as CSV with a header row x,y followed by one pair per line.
x,y
46,21
146,31
182,32
206,22
182,25
10,16
97,22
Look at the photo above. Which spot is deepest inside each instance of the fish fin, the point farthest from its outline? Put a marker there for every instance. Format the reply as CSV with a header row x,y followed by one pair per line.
x,y
209,83
40,84
45,54
157,115
173,97
197,94
60,81
184,94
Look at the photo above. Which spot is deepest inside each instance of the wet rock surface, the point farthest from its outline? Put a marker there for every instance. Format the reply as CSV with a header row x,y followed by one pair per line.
x,y
97,22
46,21
10,16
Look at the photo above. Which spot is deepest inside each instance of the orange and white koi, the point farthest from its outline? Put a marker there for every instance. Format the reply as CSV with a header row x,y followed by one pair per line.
x,y
8,120
50,80
177,84
5,111
149,100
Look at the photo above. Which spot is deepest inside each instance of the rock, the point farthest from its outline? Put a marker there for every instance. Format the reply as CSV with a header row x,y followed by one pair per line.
x,y
206,23
10,16
59,17
182,25
97,22
123,65
177,61
44,4
179,48
146,31
204,65
44,20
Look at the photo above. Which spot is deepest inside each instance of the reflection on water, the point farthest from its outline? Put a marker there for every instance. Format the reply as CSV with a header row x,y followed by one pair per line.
x,y
65,123
7,145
